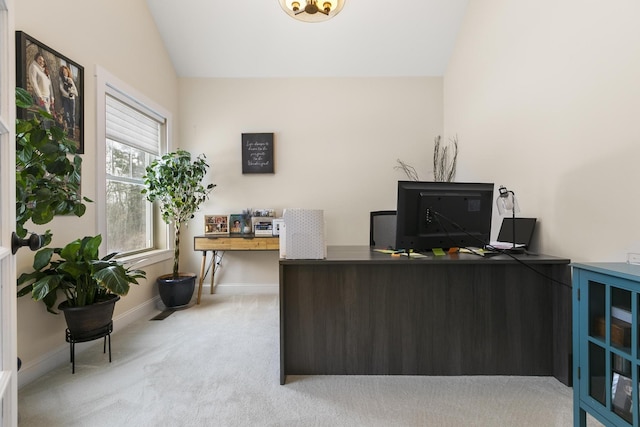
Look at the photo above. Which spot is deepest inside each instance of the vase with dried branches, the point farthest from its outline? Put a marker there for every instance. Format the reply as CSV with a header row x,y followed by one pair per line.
x,y
445,158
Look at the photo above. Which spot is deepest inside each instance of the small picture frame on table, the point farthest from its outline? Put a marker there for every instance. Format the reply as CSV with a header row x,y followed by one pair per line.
x,y
236,223
216,224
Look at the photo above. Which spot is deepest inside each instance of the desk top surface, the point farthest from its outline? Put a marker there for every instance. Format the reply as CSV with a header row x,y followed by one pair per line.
x,y
364,254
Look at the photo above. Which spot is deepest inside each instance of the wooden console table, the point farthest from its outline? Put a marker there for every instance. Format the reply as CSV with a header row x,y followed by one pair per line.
x,y
360,312
217,244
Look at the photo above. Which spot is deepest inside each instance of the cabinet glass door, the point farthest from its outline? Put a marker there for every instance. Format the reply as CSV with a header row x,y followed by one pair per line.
x,y
596,353
611,350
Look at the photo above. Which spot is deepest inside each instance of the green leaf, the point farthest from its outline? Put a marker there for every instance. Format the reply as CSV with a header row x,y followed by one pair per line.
x,y
91,247
44,286
42,214
71,251
25,291
23,98
50,301
42,258
79,210
114,278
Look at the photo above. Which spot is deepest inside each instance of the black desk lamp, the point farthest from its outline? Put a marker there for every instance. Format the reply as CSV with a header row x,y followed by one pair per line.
x,y
507,203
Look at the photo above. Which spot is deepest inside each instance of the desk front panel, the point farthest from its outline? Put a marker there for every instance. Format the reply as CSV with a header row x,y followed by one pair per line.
x,y
424,319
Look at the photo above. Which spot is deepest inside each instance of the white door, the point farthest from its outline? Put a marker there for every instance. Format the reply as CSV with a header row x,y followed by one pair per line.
x,y
8,340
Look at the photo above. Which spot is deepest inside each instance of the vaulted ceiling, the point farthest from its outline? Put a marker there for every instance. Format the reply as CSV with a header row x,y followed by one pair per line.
x,y
256,38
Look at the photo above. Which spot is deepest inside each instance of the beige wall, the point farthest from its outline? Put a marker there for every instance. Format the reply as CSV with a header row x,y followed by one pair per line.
x,y
120,36
337,141
336,145
545,98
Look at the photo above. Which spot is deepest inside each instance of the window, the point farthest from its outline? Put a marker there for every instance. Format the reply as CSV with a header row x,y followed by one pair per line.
x,y
134,132
132,142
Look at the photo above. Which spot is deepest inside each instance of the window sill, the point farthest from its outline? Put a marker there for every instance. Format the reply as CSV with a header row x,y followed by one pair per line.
x,y
145,259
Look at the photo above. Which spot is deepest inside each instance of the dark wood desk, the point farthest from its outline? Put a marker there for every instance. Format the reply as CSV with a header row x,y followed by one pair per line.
x,y
365,313
217,244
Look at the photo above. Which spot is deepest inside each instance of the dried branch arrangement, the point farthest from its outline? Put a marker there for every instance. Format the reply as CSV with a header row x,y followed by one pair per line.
x,y
445,159
408,169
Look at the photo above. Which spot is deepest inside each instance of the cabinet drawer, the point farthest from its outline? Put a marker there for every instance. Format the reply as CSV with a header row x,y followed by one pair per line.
x,y
236,244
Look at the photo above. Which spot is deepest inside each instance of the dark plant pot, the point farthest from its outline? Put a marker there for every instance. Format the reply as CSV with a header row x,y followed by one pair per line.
x,y
176,291
84,320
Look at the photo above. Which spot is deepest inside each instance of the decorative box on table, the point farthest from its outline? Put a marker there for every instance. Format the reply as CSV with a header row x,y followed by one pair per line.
x,y
303,236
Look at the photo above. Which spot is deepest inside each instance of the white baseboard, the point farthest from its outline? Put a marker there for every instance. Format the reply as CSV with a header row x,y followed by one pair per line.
x,y
60,356
243,288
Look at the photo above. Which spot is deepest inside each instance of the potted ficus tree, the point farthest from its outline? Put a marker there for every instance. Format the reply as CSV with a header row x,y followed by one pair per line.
x,y
91,285
175,182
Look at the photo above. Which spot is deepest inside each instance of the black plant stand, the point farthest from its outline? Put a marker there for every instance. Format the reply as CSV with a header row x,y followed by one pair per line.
x,y
72,339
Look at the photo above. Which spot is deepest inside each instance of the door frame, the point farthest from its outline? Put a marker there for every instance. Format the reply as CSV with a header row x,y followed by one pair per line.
x,y
8,303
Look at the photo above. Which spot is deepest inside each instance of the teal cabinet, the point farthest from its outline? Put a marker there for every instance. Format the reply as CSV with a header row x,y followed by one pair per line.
x,y
606,368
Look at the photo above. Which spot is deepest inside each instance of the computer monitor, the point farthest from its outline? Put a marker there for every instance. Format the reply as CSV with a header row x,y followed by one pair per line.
x,y
443,215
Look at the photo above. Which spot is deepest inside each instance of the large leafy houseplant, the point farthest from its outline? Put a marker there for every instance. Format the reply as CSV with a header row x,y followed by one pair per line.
x,y
176,183
78,273
47,169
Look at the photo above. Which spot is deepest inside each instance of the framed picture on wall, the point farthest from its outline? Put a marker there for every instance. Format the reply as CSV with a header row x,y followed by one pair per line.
x,y
56,84
257,153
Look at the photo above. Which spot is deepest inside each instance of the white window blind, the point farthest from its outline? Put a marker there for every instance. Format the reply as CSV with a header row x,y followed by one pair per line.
x,y
131,126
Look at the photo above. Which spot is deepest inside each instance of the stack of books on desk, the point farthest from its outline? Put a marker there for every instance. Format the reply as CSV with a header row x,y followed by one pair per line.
x,y
263,228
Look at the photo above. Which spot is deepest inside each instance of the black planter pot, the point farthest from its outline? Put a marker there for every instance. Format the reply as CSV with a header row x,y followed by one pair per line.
x,y
82,321
176,292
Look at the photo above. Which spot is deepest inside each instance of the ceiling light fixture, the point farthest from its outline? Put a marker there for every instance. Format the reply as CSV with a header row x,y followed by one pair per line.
x,y
312,10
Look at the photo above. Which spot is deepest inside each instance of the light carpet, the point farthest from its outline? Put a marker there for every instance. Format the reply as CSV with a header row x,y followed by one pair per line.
x,y
217,364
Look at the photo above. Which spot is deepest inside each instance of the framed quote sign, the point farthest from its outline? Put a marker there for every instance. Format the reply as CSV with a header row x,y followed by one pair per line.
x,y
257,153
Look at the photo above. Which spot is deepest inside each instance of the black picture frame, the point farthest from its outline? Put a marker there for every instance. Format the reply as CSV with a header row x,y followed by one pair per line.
x,y
66,104
621,396
257,153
